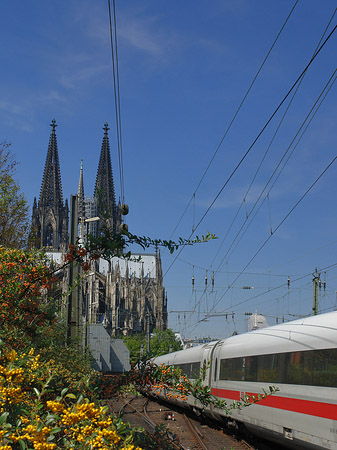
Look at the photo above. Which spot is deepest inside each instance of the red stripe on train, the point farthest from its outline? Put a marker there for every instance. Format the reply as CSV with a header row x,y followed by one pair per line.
x,y
318,409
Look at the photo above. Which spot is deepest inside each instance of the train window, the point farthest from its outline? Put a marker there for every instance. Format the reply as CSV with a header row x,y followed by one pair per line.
x,y
224,369
232,369
311,367
190,370
251,368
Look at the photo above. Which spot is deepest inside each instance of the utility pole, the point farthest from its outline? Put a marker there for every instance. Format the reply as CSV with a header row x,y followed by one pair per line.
x,y
74,304
147,333
316,283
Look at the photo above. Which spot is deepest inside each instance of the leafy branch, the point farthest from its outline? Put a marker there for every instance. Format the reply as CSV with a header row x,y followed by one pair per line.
x,y
109,243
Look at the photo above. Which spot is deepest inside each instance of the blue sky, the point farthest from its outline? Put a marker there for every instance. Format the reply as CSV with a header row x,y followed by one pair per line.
x,y
184,69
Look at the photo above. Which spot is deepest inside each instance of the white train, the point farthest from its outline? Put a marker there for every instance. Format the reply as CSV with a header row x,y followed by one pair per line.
x,y
299,357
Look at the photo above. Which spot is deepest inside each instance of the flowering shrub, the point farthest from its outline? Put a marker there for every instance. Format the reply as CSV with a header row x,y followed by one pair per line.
x,y
171,383
39,419
23,277
33,413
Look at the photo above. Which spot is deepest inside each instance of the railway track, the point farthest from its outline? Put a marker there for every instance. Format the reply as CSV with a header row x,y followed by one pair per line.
x,y
185,432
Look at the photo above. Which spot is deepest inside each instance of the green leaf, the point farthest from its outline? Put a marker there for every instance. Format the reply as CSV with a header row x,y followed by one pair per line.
x,y
37,392
3,417
64,391
71,396
22,444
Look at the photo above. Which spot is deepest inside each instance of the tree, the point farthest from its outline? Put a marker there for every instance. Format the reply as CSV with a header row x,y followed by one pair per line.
x,y
161,342
14,221
164,341
134,343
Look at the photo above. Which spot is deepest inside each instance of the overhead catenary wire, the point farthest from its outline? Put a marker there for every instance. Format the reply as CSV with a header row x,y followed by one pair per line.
x,y
260,164
115,73
266,273
304,126
327,89
254,142
270,144
215,314
234,117
280,224
285,163
327,268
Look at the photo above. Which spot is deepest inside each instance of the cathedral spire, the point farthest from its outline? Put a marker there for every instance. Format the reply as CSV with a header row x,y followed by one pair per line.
x,y
50,216
104,188
51,189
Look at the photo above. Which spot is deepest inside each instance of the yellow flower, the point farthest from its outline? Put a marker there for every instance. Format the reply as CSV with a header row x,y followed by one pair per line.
x,y
11,356
56,407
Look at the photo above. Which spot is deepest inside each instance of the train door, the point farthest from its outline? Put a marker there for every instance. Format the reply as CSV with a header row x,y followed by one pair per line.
x,y
209,363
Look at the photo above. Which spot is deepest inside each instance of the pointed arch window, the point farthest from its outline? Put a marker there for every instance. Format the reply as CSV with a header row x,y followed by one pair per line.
x,y
49,236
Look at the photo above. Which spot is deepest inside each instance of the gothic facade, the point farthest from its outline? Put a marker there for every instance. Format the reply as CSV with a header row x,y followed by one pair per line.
x,y
50,219
126,296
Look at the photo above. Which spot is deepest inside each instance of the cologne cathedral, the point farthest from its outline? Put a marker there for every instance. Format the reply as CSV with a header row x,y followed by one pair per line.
x,y
126,296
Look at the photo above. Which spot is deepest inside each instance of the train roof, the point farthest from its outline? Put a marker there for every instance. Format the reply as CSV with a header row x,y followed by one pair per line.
x,y
190,355
315,332
310,333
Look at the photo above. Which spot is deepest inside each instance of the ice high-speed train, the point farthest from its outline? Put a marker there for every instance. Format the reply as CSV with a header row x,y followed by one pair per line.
x,y
299,357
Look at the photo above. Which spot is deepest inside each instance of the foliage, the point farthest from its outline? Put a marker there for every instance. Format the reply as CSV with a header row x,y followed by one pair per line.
x,y
13,205
110,243
28,317
171,383
24,313
159,439
33,416
48,393
135,343
161,342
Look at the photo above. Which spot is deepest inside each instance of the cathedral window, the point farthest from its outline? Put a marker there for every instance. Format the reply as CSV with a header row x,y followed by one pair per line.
x,y
49,236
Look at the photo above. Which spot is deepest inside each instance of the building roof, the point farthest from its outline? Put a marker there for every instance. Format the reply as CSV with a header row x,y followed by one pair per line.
x,y
145,267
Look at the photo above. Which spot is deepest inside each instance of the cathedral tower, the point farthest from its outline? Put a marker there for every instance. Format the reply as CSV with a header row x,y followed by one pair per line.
x,y
50,216
104,188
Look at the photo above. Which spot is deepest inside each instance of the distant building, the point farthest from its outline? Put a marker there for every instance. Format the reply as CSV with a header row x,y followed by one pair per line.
x,y
125,296
188,343
256,321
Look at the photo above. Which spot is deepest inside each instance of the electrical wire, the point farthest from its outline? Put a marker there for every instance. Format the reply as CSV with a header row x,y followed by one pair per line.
x,y
270,143
309,117
254,142
115,72
279,225
254,177
220,313
235,115
326,269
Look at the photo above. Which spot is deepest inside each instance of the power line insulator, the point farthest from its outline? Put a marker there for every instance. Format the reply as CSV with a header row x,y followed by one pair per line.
x,y
123,227
124,209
